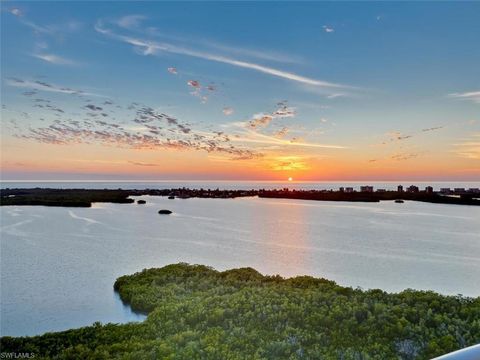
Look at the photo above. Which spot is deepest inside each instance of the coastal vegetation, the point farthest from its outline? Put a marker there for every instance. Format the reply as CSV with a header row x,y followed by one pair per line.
x,y
63,197
85,197
359,196
196,312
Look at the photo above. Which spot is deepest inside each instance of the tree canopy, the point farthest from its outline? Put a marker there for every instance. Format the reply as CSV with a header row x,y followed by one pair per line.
x,y
196,312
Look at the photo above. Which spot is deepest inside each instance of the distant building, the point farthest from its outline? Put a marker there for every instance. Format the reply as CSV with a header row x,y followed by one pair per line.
x,y
342,189
459,190
366,188
429,190
445,191
381,190
474,190
349,189
400,188
412,189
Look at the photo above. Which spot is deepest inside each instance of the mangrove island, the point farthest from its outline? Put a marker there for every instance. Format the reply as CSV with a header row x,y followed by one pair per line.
x,y
196,312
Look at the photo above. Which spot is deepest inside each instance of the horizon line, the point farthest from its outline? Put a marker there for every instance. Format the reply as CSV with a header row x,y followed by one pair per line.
x,y
230,180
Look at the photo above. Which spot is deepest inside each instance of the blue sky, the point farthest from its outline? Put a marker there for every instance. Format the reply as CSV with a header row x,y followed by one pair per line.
x,y
347,75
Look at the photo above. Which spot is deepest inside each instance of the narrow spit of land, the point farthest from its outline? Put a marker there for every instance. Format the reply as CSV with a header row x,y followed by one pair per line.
x,y
195,312
85,197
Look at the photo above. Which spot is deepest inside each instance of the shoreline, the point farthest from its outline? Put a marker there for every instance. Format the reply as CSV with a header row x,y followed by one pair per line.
x,y
85,197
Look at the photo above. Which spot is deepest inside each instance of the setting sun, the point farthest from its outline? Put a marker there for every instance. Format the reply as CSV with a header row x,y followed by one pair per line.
x,y
290,179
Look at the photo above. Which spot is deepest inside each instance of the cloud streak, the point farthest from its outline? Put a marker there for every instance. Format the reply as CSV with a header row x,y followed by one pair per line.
x,y
149,47
252,53
255,137
328,29
472,96
469,148
130,21
44,86
54,59
138,163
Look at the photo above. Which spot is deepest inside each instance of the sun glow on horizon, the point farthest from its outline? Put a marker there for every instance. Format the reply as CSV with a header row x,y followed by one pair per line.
x,y
216,110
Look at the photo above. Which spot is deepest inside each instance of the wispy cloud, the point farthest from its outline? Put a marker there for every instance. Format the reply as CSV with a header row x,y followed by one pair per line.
x,y
262,120
281,133
228,111
250,131
255,137
41,45
402,154
52,30
469,148
37,28
262,53
433,128
130,21
405,156
45,86
336,95
149,47
138,163
254,53
16,11
149,130
397,136
472,96
331,93
328,29
55,59
21,17
288,163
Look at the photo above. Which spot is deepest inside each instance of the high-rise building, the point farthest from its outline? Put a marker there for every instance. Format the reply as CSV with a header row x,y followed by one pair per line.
x,y
412,189
366,188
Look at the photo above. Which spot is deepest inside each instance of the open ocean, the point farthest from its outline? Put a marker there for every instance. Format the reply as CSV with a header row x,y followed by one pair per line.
x,y
243,185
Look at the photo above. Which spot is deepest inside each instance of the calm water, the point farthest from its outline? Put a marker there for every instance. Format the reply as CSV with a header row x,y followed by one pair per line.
x,y
58,265
242,185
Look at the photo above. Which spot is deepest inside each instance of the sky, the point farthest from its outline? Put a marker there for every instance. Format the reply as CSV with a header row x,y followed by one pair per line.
x,y
240,91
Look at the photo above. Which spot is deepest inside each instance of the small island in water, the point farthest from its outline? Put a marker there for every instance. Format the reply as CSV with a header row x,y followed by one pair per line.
x,y
196,312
